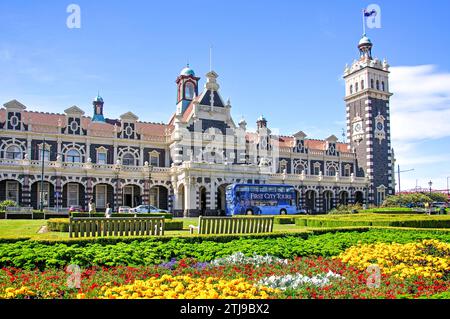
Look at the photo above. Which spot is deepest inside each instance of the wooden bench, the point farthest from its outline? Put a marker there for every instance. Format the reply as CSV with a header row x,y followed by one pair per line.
x,y
233,225
19,211
115,226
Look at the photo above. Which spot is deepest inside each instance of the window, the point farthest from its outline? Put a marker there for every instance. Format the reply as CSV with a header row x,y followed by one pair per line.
x,y
381,192
128,160
13,152
154,159
356,87
73,156
12,191
331,171
382,86
362,85
101,157
283,166
351,89
299,169
347,170
72,195
316,169
378,85
43,194
100,196
189,91
371,84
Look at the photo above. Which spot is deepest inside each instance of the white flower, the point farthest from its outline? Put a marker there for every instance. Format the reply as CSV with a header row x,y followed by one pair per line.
x,y
240,258
297,280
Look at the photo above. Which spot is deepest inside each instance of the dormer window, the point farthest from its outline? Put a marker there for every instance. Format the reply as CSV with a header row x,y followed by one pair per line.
x,y
128,131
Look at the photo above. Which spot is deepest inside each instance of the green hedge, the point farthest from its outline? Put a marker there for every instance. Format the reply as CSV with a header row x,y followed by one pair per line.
x,y
62,225
165,215
362,221
284,220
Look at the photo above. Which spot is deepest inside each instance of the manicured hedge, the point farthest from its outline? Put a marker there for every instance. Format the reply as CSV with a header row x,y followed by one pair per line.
x,y
373,220
284,220
62,225
33,254
165,215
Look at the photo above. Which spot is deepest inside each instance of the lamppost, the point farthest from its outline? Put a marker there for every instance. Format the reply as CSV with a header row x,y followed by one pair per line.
x,y
42,176
117,172
150,168
430,183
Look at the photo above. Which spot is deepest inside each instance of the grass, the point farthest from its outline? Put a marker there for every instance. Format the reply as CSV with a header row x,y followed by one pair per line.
x,y
30,228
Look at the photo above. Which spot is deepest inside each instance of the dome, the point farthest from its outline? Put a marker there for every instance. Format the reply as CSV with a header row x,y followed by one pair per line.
x,y
364,41
98,99
187,71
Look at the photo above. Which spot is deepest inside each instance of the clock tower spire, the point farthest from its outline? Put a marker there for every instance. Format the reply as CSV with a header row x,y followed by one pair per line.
x,y
368,120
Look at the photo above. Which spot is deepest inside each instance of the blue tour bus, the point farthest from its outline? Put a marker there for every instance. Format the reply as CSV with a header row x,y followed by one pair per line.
x,y
259,199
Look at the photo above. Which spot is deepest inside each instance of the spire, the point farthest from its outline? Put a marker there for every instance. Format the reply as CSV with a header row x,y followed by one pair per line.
x,y
98,109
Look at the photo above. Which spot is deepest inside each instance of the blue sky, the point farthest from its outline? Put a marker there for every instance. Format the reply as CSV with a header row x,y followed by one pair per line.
x,y
283,59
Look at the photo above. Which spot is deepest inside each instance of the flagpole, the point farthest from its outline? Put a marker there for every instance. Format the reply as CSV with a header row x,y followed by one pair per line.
x,y
364,22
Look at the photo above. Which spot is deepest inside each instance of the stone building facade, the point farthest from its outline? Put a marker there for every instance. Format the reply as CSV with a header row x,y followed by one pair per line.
x,y
184,165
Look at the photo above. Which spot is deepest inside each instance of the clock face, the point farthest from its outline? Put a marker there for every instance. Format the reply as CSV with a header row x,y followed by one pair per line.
x,y
357,127
380,126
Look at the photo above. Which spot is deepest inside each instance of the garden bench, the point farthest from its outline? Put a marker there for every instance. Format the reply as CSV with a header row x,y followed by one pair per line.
x,y
19,211
115,226
233,225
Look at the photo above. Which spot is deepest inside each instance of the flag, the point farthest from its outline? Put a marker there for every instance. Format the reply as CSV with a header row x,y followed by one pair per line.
x,y
373,12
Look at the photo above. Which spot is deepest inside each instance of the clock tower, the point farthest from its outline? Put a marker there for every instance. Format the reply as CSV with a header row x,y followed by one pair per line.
x,y
368,120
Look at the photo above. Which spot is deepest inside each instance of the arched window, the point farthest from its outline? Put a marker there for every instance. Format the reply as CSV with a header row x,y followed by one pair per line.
x,y
299,169
189,91
382,85
128,160
73,156
378,85
356,87
13,152
362,85
371,84
351,89
331,171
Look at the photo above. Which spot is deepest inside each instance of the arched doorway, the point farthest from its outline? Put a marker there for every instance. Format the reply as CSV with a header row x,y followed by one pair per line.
x,y
298,197
102,195
202,200
180,201
328,201
159,197
42,193
343,198
73,194
310,202
11,190
359,198
131,195
221,199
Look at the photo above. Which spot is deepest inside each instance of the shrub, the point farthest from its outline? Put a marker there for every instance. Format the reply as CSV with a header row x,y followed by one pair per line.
x,y
58,224
7,203
346,209
284,220
62,225
165,215
413,199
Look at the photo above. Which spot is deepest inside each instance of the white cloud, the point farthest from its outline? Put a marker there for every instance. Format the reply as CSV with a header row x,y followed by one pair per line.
x,y
420,113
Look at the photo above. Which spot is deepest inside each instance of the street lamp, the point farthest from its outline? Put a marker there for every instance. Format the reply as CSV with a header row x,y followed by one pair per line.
x,y
117,172
150,168
430,183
